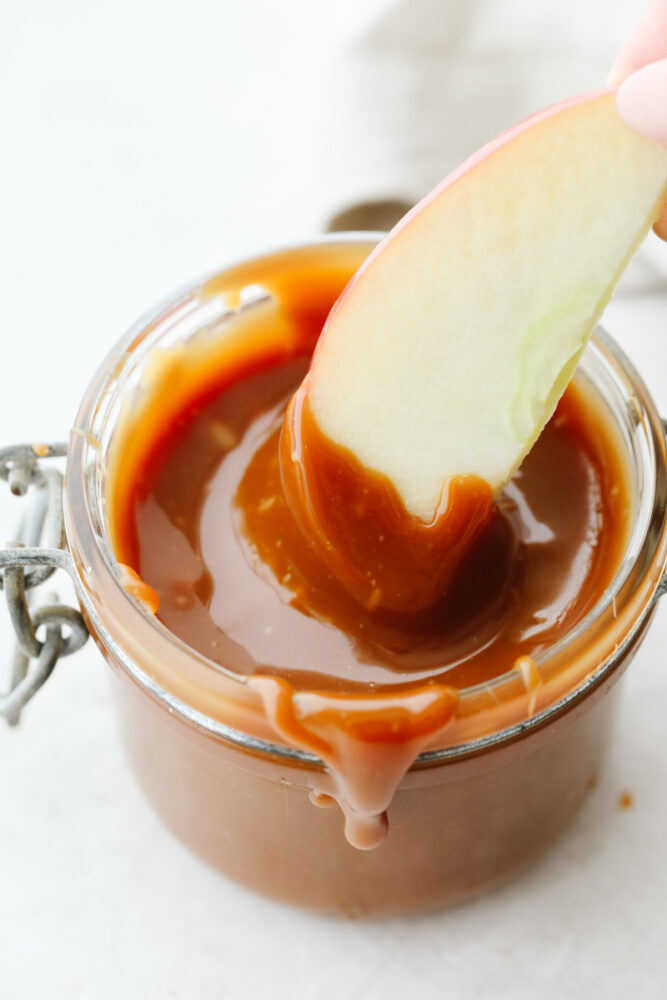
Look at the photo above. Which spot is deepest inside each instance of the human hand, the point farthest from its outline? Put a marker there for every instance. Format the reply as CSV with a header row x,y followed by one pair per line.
x,y
640,72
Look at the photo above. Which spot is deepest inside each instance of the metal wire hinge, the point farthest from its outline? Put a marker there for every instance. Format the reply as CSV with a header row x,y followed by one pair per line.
x,y
45,630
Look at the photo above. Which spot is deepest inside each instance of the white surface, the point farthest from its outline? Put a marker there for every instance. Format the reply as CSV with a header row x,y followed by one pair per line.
x,y
142,144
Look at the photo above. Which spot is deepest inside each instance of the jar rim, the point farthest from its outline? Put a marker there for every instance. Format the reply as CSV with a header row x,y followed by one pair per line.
x,y
636,584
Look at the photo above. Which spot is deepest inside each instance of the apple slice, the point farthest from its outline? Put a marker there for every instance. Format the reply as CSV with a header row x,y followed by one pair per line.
x,y
448,350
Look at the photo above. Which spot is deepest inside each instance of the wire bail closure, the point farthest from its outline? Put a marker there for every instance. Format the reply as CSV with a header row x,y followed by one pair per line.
x,y
28,562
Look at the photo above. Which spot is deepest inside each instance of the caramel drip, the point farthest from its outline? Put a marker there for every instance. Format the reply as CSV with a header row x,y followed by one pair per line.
x,y
532,678
368,742
315,613
137,588
382,554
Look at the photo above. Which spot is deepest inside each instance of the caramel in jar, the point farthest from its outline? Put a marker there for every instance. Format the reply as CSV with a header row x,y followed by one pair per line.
x,y
200,516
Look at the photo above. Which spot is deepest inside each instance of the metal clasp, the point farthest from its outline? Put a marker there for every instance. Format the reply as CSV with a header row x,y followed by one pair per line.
x,y
26,563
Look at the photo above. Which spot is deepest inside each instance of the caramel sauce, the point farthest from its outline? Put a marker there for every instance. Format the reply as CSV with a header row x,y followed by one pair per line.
x,y
385,557
374,738
200,514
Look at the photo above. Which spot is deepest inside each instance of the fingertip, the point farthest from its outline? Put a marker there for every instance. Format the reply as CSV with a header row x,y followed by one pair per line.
x,y
642,100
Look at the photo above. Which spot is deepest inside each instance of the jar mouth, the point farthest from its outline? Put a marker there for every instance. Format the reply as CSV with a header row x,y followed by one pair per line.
x,y
125,630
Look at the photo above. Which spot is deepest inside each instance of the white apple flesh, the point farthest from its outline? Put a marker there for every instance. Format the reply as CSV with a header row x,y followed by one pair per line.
x,y
449,349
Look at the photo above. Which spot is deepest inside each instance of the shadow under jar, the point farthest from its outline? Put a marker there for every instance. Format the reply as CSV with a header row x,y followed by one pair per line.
x,y
486,795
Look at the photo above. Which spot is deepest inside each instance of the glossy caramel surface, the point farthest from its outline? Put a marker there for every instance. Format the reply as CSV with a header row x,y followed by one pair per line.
x,y
207,527
356,523
203,493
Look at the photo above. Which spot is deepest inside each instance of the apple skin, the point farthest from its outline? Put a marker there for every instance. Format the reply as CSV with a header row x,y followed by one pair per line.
x,y
473,161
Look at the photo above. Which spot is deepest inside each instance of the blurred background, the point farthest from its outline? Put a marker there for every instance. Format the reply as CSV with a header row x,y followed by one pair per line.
x,y
142,145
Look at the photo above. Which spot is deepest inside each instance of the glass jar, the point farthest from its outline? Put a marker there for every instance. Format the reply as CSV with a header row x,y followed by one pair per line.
x,y
507,774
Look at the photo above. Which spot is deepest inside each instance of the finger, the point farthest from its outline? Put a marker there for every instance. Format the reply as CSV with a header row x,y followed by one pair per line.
x,y
642,100
646,44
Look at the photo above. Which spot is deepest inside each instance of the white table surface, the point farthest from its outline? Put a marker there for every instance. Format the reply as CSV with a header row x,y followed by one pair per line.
x,y
142,144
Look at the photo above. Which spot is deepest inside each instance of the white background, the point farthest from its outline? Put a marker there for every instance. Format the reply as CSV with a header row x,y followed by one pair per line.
x,y
140,145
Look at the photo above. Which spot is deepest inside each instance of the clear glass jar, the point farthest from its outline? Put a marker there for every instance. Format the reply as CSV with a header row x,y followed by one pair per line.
x,y
506,775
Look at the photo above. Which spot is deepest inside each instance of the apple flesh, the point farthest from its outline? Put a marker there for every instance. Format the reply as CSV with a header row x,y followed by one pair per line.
x,y
447,352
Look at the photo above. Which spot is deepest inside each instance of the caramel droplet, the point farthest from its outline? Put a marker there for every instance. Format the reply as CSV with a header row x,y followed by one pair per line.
x,y
135,586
